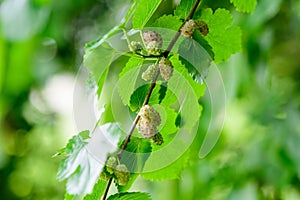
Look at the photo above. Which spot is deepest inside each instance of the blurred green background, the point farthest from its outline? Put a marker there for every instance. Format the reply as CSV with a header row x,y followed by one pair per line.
x,y
257,155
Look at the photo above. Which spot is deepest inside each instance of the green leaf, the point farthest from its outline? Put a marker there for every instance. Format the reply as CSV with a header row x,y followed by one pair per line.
x,y
244,5
98,60
172,171
116,29
69,197
224,38
167,27
130,196
72,142
187,92
59,152
98,191
144,12
99,41
128,78
101,81
136,153
184,7
201,41
85,134
169,22
139,95
169,99
126,187
168,120
199,88
195,58
168,160
129,13
82,166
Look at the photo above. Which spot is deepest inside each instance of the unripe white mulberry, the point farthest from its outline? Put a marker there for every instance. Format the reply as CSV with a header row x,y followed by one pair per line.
x,y
150,72
148,112
150,36
148,130
153,42
153,48
149,121
165,68
187,30
122,174
104,175
111,164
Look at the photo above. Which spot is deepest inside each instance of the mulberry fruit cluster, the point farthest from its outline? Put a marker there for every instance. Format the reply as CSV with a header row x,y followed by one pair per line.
x,y
112,169
149,121
122,174
189,27
165,68
111,164
203,28
153,42
150,72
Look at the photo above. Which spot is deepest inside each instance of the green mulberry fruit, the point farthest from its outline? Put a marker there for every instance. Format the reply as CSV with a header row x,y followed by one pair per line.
x,y
187,30
165,68
150,72
149,113
149,121
153,42
104,175
150,36
189,27
153,48
122,174
111,164
148,130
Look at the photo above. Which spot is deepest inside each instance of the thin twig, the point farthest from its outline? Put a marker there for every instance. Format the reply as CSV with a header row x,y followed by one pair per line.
x,y
190,16
107,188
136,120
150,90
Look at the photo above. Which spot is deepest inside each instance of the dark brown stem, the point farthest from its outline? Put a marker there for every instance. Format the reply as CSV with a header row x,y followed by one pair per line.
x,y
136,120
150,90
107,188
190,16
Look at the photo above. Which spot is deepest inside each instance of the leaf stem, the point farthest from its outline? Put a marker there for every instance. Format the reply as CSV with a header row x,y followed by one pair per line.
x,y
152,86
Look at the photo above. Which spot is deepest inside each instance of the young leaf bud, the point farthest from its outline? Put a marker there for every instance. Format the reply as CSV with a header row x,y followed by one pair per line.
x,y
157,139
111,164
150,72
165,68
122,174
